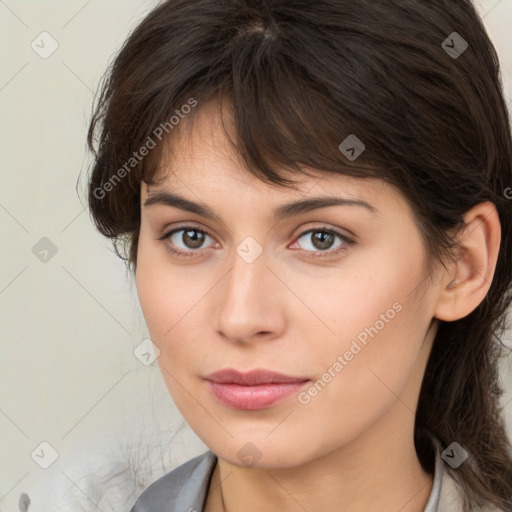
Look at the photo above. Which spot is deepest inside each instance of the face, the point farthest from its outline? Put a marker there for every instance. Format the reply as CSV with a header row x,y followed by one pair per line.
x,y
335,298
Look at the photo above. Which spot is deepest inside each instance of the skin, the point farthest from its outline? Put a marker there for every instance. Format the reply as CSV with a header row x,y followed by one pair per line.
x,y
351,446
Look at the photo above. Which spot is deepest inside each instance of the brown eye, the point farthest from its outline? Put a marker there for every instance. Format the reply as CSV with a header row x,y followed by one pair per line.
x,y
192,238
185,241
320,242
321,239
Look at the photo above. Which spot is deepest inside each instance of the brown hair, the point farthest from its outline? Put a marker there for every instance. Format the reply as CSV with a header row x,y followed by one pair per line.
x,y
300,77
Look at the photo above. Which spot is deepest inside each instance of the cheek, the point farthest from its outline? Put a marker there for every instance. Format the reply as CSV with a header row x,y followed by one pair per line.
x,y
156,303
167,303
370,378
166,292
374,303
379,319
171,299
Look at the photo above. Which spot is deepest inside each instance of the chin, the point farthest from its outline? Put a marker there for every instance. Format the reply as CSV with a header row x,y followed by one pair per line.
x,y
263,454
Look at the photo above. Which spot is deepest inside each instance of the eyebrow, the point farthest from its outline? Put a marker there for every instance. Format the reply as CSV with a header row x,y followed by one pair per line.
x,y
281,212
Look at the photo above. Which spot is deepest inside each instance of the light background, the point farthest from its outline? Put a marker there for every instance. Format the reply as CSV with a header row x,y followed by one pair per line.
x,y
69,326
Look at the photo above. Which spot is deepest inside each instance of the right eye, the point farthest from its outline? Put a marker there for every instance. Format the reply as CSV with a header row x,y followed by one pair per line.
x,y
190,238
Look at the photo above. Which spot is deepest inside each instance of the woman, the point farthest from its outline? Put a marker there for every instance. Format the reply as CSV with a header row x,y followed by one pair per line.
x,y
315,200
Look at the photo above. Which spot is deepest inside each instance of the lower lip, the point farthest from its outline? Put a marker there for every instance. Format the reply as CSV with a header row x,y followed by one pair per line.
x,y
254,397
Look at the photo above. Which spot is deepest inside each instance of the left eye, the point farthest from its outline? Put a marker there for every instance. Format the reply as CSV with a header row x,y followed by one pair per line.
x,y
322,240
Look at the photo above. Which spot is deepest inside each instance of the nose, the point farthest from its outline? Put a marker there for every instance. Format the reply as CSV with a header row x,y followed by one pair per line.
x,y
250,302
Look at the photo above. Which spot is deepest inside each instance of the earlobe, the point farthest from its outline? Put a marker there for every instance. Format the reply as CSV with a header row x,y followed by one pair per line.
x,y
468,278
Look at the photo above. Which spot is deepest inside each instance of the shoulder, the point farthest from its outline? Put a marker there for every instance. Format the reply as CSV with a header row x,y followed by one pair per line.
x,y
447,495
183,488
451,497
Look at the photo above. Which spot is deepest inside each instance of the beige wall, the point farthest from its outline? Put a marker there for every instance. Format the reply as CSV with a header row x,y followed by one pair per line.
x,y
68,375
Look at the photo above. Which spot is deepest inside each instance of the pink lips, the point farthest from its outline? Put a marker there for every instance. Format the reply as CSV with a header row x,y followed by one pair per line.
x,y
256,389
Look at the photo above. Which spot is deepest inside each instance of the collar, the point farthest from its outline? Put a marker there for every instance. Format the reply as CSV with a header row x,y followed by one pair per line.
x,y
186,487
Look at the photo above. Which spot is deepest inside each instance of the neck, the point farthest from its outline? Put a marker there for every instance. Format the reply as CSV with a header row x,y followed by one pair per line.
x,y
379,471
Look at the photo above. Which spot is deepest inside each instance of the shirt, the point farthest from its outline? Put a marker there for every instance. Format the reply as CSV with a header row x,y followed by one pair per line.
x,y
185,488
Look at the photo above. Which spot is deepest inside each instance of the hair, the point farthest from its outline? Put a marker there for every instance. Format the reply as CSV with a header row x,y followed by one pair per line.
x,y
299,77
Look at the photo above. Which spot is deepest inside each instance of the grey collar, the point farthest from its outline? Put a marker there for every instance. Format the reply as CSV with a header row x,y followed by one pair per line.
x,y
435,494
185,488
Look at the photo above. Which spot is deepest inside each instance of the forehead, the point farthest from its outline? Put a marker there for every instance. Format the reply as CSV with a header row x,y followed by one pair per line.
x,y
200,151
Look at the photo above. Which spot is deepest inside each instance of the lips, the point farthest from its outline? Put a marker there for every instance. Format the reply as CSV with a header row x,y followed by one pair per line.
x,y
256,389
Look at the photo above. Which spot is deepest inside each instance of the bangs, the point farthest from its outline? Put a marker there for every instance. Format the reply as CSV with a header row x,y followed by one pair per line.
x,y
289,110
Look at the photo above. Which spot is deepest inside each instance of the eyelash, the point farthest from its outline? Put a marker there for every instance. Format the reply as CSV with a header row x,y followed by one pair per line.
x,y
311,254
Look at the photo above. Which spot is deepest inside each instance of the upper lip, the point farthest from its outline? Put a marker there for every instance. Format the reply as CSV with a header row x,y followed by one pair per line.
x,y
252,377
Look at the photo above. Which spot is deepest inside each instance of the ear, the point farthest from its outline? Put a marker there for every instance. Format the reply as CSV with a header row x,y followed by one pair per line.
x,y
467,279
